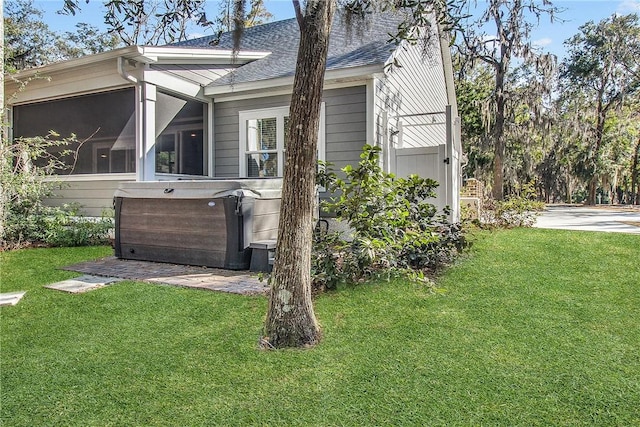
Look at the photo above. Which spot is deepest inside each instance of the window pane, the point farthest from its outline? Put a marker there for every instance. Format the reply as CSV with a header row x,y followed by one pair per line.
x,y
191,153
180,147
262,165
167,109
102,160
166,154
119,161
261,134
105,120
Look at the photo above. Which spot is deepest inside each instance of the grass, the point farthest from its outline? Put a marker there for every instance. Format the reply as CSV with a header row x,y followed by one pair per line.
x,y
535,327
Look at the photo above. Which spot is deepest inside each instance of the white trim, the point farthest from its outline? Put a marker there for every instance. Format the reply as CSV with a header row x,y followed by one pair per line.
x,y
343,75
322,134
284,90
370,112
186,55
447,67
139,112
174,84
152,54
161,176
279,113
126,52
148,141
210,140
92,177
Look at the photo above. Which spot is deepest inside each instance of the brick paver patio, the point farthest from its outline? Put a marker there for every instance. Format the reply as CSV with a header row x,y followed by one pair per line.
x,y
237,282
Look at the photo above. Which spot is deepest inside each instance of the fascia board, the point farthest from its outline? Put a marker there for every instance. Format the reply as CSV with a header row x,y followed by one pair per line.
x,y
179,55
148,55
331,76
127,52
286,90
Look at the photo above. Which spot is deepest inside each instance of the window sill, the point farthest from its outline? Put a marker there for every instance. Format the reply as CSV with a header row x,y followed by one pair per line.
x,y
93,177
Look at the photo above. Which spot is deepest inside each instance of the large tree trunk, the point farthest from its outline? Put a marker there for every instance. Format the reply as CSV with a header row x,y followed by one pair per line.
x,y
592,188
635,191
291,320
498,168
498,136
569,186
601,116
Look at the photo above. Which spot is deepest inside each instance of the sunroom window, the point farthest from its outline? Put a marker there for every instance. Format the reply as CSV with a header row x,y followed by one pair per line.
x,y
104,125
180,141
263,141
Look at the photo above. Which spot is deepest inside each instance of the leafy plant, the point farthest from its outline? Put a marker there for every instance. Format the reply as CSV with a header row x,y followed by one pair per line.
x,y
517,211
394,229
66,227
25,167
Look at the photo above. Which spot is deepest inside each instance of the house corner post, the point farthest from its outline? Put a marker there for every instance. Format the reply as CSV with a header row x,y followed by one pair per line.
x,y
449,161
147,159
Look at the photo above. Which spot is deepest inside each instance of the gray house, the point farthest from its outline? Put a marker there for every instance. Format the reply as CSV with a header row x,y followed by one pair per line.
x,y
197,111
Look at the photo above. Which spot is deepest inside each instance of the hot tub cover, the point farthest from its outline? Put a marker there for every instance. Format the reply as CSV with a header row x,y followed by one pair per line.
x,y
265,188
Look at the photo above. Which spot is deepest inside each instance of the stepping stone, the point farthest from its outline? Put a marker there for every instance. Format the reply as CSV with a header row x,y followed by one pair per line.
x,y
11,298
83,284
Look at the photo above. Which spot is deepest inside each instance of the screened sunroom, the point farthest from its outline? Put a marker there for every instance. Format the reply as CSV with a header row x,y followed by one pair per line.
x,y
137,114
104,125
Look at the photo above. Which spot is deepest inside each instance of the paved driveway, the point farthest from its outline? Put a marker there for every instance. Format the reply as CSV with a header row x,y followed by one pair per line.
x,y
614,219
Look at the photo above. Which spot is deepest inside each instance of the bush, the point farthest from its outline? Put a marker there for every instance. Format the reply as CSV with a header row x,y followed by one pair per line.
x,y
25,168
517,211
395,230
67,228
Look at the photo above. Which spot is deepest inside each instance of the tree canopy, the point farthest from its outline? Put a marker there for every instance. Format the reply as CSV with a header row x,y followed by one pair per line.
x,y
602,70
526,118
29,42
500,37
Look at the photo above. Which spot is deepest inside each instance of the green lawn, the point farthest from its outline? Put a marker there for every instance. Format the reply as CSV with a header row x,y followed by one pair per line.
x,y
534,327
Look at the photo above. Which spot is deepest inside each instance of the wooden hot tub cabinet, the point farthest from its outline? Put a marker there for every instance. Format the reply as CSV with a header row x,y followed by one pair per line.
x,y
205,223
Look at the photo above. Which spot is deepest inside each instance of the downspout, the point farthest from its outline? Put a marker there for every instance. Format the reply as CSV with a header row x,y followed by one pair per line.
x,y
139,104
124,74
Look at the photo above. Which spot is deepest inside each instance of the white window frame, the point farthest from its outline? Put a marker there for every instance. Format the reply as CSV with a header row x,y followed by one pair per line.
x,y
279,113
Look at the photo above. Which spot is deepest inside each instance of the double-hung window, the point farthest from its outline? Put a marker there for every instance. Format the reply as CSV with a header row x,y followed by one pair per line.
x,y
263,141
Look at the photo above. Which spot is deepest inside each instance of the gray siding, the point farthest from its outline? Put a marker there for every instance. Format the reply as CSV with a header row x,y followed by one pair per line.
x,y
93,196
418,86
226,133
345,127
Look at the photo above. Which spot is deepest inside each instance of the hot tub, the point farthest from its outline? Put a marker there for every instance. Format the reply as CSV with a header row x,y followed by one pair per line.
x,y
208,223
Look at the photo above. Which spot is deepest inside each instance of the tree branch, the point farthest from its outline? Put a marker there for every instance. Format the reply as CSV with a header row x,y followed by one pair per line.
x,y
299,15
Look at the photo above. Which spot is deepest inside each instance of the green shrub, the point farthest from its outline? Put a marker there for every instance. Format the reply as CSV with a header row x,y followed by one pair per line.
x,y
516,211
66,227
26,167
394,229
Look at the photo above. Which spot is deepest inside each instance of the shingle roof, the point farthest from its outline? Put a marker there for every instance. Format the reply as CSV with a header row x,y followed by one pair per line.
x,y
350,46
